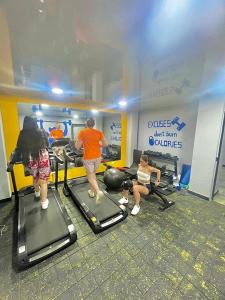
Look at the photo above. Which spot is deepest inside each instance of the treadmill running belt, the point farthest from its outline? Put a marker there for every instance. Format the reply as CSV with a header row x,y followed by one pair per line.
x,y
106,209
43,227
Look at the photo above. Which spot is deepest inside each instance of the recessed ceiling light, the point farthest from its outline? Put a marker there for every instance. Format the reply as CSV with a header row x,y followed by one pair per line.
x,y
94,111
45,105
123,102
57,91
39,113
75,116
42,1
40,11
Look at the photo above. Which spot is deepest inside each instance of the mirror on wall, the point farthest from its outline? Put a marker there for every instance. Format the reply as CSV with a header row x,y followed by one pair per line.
x,y
64,123
111,127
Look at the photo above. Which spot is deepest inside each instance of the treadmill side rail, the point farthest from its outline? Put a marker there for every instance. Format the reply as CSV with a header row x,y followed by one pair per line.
x,y
101,226
49,251
67,219
112,221
22,255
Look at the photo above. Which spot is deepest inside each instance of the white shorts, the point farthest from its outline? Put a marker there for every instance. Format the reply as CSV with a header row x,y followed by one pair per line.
x,y
91,165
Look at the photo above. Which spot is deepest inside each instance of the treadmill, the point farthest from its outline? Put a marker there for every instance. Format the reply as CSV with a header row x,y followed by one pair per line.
x,y
99,216
40,233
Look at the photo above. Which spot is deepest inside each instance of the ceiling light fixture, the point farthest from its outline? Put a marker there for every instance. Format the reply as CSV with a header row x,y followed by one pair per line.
x,y
75,116
42,1
94,111
57,91
123,103
40,11
45,105
39,113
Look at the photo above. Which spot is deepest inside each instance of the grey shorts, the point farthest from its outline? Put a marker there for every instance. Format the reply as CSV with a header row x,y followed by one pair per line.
x,y
92,165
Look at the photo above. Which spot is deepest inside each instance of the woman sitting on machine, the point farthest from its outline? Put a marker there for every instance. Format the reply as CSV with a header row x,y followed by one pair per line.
x,y
140,186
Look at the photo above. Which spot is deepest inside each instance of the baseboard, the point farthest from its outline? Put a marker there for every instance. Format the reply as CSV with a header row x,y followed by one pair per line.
x,y
5,200
199,195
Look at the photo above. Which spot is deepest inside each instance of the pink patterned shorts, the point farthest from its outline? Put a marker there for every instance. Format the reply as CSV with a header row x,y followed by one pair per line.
x,y
91,165
40,169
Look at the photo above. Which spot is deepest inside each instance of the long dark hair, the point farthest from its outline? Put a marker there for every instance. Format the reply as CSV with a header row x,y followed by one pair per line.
x,y
31,140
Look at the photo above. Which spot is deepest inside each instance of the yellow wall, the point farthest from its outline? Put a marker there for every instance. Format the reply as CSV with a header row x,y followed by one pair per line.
x,y
10,119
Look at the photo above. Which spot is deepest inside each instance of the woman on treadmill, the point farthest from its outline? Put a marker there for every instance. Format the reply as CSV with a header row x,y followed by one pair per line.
x,y
32,146
140,186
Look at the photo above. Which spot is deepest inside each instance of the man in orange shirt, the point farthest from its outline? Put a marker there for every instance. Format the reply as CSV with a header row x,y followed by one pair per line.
x,y
91,140
57,132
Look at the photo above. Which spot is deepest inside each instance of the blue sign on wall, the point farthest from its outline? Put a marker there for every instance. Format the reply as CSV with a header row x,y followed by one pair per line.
x,y
160,138
116,131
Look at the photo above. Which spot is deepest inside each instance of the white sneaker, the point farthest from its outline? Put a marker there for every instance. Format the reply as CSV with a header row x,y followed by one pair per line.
x,y
99,195
123,201
44,204
91,193
37,194
135,210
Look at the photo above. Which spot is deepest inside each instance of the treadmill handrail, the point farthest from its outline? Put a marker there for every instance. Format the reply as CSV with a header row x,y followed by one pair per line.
x,y
69,156
61,142
54,156
15,159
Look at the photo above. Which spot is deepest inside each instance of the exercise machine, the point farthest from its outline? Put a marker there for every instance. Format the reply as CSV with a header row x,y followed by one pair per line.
x,y
166,203
39,233
100,216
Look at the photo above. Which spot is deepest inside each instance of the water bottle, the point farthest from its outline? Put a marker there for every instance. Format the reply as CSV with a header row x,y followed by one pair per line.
x,y
176,181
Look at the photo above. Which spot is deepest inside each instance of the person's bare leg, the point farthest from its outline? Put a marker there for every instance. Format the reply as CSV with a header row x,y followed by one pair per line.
x,y
125,193
138,190
125,196
134,181
124,199
93,182
43,189
137,196
36,185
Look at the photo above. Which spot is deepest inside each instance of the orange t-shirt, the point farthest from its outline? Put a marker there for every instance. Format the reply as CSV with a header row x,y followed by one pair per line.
x,y
91,138
56,133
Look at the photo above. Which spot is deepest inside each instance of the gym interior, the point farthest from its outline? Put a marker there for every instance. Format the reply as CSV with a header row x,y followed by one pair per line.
x,y
151,76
